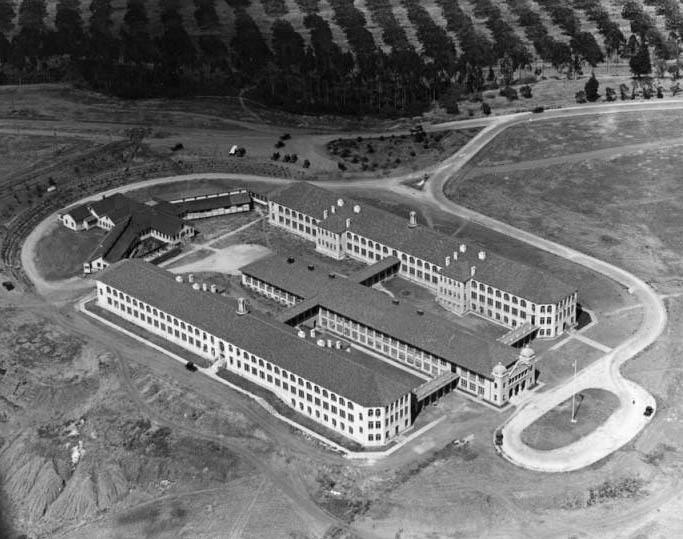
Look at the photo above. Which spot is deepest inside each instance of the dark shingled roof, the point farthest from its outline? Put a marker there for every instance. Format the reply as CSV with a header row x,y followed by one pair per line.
x,y
117,207
306,198
212,203
430,245
295,277
372,270
272,340
376,309
79,213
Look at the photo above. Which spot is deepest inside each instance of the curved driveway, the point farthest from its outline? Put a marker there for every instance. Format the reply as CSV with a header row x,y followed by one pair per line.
x,y
628,420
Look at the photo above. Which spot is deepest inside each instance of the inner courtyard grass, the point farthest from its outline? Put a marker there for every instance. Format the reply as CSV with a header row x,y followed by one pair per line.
x,y
555,429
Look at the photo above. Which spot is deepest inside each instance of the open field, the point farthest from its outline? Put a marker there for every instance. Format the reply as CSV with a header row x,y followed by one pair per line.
x,y
555,429
61,253
627,209
545,139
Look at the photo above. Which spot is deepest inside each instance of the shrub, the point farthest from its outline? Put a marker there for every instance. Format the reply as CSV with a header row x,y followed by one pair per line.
x,y
591,88
538,110
610,94
341,166
580,96
509,92
526,91
307,163
280,144
286,136
486,108
275,156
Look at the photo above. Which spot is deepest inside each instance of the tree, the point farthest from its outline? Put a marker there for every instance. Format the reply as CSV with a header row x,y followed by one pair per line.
x,y
591,88
486,108
526,91
103,45
136,43
30,43
6,16
580,96
69,36
640,62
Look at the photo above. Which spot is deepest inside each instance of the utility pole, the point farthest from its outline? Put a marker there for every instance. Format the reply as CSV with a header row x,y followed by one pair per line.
x,y
574,395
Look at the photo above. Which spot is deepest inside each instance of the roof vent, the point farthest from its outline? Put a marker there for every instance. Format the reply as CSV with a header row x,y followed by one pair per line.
x,y
340,202
455,256
214,289
356,209
205,287
448,261
179,278
395,301
463,247
196,286
324,214
290,260
320,342
420,312
190,278
332,208
348,222
482,255
473,270
311,267
302,334
312,333
412,222
242,306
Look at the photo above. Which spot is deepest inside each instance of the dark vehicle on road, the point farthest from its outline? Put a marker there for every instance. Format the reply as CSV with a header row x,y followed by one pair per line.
x,y
648,411
499,438
190,366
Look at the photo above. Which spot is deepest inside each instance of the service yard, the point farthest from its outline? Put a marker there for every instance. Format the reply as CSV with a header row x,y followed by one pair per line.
x,y
101,436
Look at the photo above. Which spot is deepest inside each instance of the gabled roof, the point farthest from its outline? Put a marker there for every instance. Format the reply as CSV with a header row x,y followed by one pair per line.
x,y
377,310
358,378
79,213
425,243
212,203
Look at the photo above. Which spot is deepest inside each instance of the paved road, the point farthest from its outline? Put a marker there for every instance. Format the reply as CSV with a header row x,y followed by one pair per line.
x,y
628,420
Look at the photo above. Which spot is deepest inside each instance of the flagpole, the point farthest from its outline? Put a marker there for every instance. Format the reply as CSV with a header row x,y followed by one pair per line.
x,y
574,395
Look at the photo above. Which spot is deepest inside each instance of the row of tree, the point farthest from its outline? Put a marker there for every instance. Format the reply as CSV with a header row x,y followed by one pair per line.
x,y
142,59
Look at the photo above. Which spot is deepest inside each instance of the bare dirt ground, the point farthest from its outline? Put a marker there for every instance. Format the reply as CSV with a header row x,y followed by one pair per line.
x,y
173,454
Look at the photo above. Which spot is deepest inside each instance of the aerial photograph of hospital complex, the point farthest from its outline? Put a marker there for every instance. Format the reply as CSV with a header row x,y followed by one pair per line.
x,y
329,269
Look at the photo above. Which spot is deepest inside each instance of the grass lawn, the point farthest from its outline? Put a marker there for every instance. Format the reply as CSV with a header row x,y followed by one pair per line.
x,y
558,365
555,429
212,227
61,253
156,339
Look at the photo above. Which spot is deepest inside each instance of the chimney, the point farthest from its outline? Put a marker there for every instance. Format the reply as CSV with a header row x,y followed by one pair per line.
x,y
214,289
190,278
302,334
242,306
332,209
412,222
455,256
356,209
324,214
311,267
482,255
340,202
329,343
290,260
448,261
463,247
205,287
312,332
179,278
473,270
196,286
348,222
